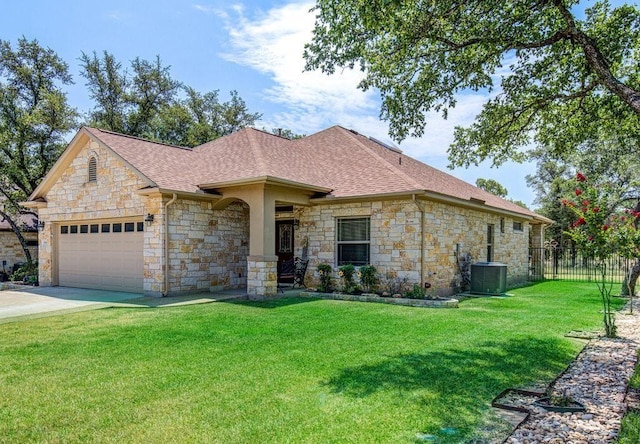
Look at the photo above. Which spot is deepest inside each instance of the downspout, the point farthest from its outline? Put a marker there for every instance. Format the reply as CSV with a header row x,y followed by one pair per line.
x,y
421,209
166,244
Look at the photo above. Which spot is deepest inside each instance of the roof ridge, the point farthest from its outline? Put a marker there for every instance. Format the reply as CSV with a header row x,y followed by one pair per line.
x,y
385,162
257,152
142,139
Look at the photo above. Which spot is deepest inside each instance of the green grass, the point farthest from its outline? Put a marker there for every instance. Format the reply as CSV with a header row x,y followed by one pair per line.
x,y
290,370
630,429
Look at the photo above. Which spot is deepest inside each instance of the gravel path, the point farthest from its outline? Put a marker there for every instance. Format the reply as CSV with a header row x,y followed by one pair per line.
x,y
598,379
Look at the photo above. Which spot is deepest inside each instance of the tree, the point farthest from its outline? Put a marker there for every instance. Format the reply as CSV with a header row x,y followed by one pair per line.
x,y
492,186
563,79
34,119
600,230
149,103
612,161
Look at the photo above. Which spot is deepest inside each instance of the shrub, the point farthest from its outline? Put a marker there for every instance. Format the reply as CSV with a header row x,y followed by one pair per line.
x,y
417,292
347,281
27,273
326,280
368,278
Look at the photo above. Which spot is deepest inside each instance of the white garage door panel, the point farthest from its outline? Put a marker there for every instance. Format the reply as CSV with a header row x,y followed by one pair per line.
x,y
109,261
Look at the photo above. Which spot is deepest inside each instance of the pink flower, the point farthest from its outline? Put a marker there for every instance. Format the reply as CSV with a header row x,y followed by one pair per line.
x,y
605,227
581,177
596,209
578,192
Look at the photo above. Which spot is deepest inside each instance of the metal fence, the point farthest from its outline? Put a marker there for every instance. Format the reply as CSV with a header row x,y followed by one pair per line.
x,y
569,264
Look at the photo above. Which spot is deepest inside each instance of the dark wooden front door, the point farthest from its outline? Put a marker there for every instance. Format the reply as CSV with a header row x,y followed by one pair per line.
x,y
284,241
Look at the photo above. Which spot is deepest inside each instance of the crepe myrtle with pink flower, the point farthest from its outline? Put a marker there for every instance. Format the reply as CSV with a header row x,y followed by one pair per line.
x,y
600,229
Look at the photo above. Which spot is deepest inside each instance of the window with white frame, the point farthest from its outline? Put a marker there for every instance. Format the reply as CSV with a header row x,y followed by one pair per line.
x,y
517,226
353,240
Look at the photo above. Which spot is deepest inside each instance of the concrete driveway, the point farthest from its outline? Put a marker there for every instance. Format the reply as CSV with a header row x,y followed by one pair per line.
x,y
31,302
35,302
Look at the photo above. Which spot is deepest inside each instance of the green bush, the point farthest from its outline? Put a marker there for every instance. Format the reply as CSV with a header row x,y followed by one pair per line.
x,y
326,280
417,292
368,278
27,273
348,283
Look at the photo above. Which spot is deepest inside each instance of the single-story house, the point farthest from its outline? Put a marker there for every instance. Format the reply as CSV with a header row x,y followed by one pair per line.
x,y
11,251
123,213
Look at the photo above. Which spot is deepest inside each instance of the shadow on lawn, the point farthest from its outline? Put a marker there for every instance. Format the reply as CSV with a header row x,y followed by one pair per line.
x,y
491,366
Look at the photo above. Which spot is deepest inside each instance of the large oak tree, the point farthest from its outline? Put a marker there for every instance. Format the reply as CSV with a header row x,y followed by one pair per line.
x,y
560,74
34,119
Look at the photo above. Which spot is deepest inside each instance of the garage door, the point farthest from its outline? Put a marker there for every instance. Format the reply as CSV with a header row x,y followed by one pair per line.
x,y
105,255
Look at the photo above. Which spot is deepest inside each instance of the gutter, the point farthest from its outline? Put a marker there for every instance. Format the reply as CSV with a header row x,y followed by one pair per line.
x,y
421,209
165,290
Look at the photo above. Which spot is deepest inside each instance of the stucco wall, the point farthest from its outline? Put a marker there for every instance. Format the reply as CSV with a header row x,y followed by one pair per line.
x,y
395,240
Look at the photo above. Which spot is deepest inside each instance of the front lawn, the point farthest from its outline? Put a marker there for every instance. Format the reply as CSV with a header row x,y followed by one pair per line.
x,y
290,370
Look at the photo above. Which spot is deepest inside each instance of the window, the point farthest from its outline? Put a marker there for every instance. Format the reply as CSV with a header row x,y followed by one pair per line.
x,y
353,241
94,228
73,229
64,229
490,239
117,228
517,226
140,226
502,224
106,228
84,229
92,175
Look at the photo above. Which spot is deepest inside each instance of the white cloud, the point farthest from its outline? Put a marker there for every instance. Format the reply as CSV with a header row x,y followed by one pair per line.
x,y
273,45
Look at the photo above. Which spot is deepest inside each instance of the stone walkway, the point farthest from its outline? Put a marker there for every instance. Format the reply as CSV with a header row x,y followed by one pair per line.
x,y
598,379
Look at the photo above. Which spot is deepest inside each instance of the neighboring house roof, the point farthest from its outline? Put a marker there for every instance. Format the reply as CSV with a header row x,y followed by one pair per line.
x,y
27,222
349,164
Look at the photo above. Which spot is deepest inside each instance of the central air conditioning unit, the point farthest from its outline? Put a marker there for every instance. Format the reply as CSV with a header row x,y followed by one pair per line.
x,y
489,278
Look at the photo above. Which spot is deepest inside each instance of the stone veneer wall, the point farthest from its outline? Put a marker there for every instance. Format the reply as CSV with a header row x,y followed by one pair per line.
x,y
395,240
74,198
11,250
207,248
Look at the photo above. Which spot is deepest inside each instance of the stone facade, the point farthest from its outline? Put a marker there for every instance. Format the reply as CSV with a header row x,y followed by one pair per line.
x,y
74,198
11,250
208,248
395,247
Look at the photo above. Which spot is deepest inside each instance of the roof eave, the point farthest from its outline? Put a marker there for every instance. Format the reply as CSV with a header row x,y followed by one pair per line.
x,y
266,180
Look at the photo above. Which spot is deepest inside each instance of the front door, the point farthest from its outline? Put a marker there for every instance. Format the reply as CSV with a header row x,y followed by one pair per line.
x,y
284,242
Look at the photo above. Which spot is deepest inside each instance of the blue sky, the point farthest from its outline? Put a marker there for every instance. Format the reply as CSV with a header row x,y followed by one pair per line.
x,y
253,47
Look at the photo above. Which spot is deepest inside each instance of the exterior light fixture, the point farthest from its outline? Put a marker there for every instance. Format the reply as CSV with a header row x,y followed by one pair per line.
x,y
149,218
41,225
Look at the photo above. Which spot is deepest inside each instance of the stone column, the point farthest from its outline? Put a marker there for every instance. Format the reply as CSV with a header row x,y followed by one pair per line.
x,y
262,279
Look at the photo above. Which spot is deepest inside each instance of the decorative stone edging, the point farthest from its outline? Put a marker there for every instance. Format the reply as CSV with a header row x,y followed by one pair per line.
x,y
597,378
368,297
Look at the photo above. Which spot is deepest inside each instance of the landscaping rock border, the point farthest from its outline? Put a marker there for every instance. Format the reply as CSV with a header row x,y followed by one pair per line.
x,y
597,378
367,297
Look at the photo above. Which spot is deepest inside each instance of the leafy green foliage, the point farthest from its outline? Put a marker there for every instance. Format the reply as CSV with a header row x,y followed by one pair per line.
x,y
149,103
34,119
368,278
347,274
492,186
326,278
563,80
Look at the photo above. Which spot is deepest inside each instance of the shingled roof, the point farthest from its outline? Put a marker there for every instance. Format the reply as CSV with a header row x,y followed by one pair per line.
x,y
349,164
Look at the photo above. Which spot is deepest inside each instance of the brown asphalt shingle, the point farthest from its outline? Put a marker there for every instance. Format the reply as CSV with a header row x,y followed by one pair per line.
x,y
346,162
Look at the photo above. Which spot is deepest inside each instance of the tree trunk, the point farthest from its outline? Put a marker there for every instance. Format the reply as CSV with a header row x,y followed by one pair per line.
x,y
18,233
629,286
